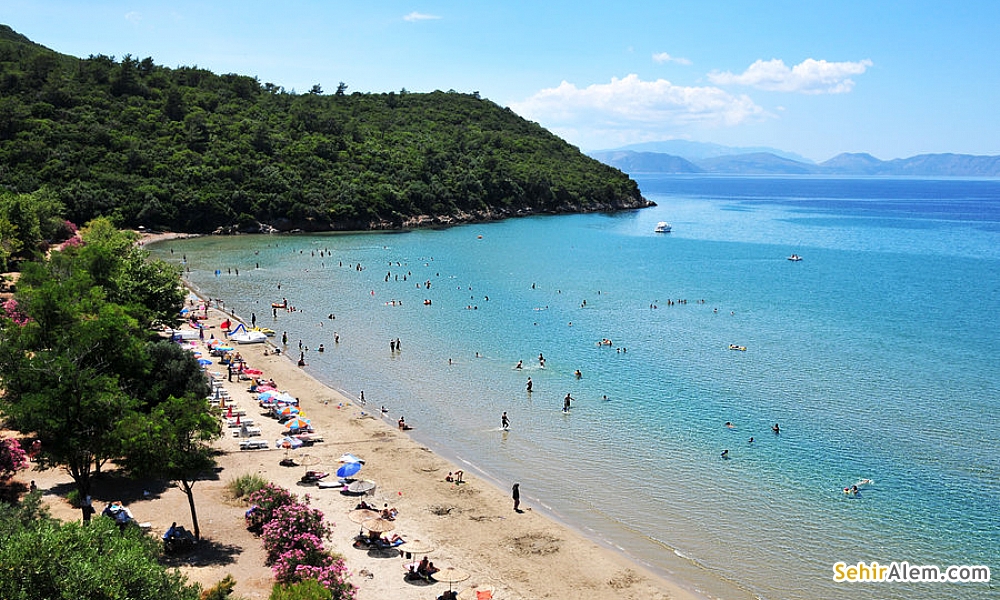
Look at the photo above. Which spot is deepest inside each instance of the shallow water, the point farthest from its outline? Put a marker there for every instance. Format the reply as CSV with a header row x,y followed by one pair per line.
x,y
875,353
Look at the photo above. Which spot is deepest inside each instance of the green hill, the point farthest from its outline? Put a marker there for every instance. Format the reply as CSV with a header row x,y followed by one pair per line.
x,y
190,150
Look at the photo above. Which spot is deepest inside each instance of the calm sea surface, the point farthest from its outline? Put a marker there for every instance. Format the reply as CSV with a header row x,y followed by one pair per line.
x,y
878,354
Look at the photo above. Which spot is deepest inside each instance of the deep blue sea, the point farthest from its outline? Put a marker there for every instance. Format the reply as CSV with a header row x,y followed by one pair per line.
x,y
878,354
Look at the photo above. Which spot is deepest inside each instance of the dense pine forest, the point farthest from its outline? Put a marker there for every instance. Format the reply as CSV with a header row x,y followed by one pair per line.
x,y
188,150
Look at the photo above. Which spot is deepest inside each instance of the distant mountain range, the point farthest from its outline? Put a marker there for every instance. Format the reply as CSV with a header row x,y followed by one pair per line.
x,y
695,157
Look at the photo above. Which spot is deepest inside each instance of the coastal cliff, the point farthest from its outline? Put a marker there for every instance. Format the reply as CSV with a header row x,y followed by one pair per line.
x,y
187,150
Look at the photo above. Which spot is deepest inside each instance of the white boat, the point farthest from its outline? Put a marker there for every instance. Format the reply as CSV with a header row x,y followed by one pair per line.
x,y
795,258
241,335
662,227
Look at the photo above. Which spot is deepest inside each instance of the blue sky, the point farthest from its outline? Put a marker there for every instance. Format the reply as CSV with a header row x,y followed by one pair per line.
x,y
891,78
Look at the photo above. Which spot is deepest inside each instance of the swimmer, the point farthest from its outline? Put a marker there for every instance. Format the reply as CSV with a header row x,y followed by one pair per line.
x,y
776,429
725,454
729,425
519,364
578,374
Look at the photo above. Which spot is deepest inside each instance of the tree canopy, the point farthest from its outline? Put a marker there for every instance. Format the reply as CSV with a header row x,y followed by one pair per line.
x,y
77,359
186,149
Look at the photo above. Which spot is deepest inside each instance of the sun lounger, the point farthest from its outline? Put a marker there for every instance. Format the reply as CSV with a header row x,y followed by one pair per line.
x,y
252,444
384,545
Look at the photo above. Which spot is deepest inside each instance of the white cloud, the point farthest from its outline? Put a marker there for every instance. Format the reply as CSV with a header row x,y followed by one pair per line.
x,y
808,77
415,16
663,57
133,17
630,109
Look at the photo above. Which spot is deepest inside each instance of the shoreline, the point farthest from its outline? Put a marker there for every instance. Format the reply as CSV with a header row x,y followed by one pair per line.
x,y
543,537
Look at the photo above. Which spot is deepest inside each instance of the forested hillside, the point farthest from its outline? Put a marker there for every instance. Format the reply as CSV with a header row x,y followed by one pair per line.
x,y
186,149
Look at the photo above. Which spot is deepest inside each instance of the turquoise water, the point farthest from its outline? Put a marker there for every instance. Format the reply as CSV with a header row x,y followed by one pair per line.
x,y
877,354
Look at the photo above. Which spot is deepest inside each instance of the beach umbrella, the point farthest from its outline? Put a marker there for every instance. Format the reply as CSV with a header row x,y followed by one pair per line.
x,y
204,362
264,396
349,458
379,525
286,398
361,515
298,423
348,469
415,547
361,486
451,575
286,411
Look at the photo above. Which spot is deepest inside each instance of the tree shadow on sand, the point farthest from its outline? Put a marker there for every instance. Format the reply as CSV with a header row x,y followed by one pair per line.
x,y
112,486
206,552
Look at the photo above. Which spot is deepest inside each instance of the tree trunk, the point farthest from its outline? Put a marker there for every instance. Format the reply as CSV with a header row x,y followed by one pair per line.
x,y
188,487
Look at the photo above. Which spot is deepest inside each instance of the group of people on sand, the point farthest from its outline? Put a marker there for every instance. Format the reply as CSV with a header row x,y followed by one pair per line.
x,y
425,570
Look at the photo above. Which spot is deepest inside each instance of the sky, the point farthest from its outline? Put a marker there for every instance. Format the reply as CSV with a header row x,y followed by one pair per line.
x,y
891,78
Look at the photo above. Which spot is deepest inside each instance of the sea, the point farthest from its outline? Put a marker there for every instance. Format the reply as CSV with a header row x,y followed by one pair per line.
x,y
877,354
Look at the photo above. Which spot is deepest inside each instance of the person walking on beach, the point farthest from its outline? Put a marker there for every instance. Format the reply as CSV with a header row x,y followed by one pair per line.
x,y
504,421
515,493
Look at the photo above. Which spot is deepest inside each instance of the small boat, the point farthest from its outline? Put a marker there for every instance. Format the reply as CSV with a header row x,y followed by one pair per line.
x,y
662,227
242,335
265,330
737,348
795,258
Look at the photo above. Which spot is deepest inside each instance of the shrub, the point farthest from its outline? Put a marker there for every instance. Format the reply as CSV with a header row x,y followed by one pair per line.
x,y
245,485
12,458
295,526
221,590
264,502
307,589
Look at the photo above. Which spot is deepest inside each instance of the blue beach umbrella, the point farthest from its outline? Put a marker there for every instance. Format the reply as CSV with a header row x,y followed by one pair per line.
x,y
204,361
348,469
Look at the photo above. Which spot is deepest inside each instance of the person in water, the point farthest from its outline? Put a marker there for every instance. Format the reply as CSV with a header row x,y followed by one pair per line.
x,y
725,454
529,385
776,429
504,421
566,402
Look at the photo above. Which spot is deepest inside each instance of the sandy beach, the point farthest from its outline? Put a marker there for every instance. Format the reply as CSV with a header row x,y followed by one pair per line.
x,y
471,526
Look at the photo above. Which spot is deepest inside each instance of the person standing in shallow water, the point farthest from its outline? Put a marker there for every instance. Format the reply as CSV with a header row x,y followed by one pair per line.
x,y
515,493
504,421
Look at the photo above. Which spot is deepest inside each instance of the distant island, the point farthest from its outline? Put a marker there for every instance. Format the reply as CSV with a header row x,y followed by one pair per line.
x,y
192,151
692,157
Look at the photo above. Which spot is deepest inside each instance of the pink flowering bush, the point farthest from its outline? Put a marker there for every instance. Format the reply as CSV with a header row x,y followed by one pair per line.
x,y
73,242
264,502
293,526
292,534
13,458
13,312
